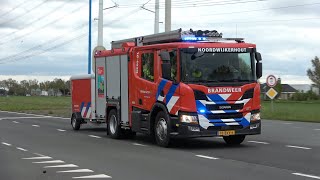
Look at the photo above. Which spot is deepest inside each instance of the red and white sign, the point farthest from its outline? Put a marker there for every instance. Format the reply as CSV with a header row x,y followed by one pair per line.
x,y
271,81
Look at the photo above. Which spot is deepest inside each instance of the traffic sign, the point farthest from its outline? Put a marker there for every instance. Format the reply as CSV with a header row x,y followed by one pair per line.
x,y
271,81
271,93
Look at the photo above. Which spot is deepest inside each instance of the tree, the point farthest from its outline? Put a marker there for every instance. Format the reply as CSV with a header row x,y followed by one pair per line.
x,y
314,72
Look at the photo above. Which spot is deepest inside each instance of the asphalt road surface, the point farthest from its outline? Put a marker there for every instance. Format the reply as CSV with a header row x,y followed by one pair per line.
x,y
43,147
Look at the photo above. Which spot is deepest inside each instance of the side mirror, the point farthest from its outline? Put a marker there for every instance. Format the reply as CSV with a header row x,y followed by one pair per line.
x,y
258,56
165,56
259,70
166,70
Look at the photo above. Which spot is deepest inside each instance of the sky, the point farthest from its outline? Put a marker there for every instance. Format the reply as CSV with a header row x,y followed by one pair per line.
x,y
46,39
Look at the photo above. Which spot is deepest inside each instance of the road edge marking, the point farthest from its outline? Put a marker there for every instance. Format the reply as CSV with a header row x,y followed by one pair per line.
x,y
306,175
7,144
298,147
206,157
258,142
94,136
92,176
21,149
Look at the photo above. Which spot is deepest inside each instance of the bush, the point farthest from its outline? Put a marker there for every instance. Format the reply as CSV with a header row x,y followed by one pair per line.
x,y
309,95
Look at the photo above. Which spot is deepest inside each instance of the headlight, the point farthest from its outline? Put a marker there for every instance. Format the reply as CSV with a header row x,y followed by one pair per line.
x,y
189,119
255,117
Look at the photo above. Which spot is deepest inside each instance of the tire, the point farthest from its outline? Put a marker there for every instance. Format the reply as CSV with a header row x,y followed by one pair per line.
x,y
234,140
162,130
75,123
113,126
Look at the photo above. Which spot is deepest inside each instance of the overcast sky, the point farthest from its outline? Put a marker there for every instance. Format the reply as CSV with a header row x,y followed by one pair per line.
x,y
286,32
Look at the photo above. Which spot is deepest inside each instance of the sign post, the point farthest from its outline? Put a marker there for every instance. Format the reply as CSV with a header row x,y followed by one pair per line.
x,y
271,93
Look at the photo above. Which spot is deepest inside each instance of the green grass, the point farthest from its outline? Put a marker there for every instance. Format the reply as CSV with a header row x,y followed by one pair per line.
x,y
292,110
61,106
53,106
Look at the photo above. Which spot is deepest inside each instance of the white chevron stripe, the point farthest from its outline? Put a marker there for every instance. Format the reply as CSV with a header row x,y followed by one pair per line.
x,y
160,98
248,117
204,122
83,110
88,113
225,96
232,124
228,120
221,111
172,102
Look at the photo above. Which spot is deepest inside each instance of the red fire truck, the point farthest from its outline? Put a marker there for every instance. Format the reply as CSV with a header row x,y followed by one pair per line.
x,y
176,84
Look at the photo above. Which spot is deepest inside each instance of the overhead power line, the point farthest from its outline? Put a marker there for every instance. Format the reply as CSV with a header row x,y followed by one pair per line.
x,y
34,51
23,14
38,19
14,8
60,18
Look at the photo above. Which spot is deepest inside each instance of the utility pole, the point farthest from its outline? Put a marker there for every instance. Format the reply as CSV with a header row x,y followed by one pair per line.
x,y
100,24
168,16
89,44
156,18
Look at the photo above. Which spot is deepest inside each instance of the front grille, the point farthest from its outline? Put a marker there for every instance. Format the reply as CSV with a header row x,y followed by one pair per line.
x,y
225,116
212,107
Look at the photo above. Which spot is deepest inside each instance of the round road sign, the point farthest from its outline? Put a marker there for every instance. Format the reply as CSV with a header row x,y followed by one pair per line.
x,y
271,81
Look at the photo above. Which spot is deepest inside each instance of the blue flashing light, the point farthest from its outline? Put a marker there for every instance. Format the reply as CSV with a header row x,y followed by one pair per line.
x,y
202,111
193,38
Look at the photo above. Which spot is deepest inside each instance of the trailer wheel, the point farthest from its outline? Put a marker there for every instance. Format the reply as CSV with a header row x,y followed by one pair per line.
x,y
161,129
113,127
75,123
234,140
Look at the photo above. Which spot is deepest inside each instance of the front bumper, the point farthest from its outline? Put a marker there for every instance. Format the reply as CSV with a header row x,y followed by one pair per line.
x,y
191,130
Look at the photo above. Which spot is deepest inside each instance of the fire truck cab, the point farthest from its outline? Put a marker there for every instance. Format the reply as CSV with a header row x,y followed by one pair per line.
x,y
177,84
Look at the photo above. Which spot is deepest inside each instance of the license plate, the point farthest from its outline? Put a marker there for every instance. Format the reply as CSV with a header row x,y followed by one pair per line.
x,y
226,133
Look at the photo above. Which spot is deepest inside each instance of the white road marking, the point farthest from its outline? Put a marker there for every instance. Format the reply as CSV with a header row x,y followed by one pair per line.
x,y
39,116
206,157
287,123
138,144
62,166
94,136
76,171
48,162
21,149
10,118
61,130
258,142
15,122
93,176
7,144
35,125
298,147
39,154
35,158
317,129
306,175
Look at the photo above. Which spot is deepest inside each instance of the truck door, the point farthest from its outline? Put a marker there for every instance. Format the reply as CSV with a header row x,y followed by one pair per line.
x,y
146,84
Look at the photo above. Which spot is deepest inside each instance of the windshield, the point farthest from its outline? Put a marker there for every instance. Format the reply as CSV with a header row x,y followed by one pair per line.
x,y
216,67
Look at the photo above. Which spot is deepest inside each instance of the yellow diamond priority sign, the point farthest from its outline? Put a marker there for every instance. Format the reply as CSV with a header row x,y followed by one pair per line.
x,y
271,93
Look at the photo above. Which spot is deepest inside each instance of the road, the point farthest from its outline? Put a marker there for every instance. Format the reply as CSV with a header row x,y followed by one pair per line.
x,y
44,147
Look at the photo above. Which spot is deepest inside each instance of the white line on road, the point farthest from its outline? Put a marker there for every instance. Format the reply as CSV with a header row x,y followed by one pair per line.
x,y
35,125
21,149
317,129
287,123
93,176
62,166
94,136
206,157
138,144
48,162
7,144
37,115
61,130
39,154
298,147
15,122
258,142
306,175
76,171
10,118
35,158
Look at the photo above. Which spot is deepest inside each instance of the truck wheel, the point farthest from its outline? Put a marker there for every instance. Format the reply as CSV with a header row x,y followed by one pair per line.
x,y
113,127
161,129
234,140
75,123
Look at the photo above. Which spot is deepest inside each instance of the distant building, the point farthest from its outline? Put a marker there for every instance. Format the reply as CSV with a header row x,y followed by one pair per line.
x,y
287,91
306,87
